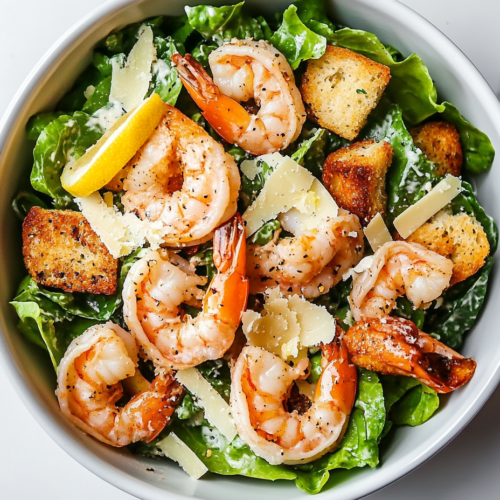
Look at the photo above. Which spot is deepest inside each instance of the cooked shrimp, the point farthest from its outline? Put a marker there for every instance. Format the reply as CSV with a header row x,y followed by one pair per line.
x,y
183,178
246,70
312,261
89,385
395,346
260,389
159,283
399,268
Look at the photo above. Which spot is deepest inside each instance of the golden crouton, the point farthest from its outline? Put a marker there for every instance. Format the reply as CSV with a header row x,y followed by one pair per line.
x,y
355,177
341,88
458,237
440,142
61,250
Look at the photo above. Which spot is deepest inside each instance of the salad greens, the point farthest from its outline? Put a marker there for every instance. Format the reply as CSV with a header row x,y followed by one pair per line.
x,y
52,318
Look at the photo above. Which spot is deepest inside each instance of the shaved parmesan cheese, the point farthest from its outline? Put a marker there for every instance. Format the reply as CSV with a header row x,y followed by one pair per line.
x,y
130,84
288,326
317,325
284,188
216,409
416,215
276,329
175,449
377,233
121,233
289,190
363,265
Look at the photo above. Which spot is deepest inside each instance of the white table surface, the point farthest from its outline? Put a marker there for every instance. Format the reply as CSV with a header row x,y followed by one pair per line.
x,y
32,466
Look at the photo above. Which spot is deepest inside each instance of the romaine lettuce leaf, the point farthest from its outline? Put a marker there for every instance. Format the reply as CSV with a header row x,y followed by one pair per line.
x,y
313,14
477,148
50,314
165,81
408,401
64,138
311,150
265,234
24,202
296,41
467,202
220,24
461,306
38,122
99,97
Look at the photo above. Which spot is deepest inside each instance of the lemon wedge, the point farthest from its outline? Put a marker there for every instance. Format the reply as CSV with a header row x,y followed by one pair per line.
x,y
114,149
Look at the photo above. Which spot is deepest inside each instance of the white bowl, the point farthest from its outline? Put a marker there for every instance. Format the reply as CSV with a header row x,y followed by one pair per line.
x,y
29,368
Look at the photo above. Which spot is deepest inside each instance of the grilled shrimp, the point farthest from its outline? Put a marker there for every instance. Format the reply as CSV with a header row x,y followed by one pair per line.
x,y
395,346
160,282
183,178
89,385
399,268
260,390
312,261
246,71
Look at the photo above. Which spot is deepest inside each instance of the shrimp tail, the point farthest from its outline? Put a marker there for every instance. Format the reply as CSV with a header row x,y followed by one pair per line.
x,y
336,357
225,115
230,285
395,346
156,405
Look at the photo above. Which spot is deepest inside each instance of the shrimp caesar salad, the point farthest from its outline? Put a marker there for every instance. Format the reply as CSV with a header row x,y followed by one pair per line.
x,y
253,244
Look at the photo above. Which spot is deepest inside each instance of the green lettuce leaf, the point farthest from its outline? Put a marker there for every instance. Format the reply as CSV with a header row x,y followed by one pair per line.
x,y
311,150
202,51
65,138
313,14
410,171
99,97
296,41
53,327
220,24
265,234
75,99
38,122
411,86
404,309
360,444
408,401
24,202
467,202
165,81
477,148
461,306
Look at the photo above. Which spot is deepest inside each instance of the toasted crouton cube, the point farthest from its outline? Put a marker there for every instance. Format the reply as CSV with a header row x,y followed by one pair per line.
x,y
341,88
61,250
458,237
440,142
355,177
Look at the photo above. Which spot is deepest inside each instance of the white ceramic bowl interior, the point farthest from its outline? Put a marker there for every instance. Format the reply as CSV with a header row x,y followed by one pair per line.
x,y
29,367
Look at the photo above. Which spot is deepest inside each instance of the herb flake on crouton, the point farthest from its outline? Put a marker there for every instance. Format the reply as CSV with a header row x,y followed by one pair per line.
x,y
355,177
341,88
61,250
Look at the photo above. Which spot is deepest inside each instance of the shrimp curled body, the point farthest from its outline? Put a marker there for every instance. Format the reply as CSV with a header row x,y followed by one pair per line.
x,y
160,282
260,388
312,261
246,70
395,346
90,378
181,177
399,268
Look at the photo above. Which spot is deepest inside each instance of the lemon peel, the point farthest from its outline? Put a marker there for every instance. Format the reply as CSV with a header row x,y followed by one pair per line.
x,y
114,149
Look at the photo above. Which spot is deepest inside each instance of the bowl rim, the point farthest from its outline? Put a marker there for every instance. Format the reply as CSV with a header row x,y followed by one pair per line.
x,y
102,468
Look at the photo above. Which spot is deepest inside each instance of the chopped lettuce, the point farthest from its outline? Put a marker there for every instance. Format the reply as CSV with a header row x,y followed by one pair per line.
x,y
166,82
311,150
313,14
296,41
99,97
38,122
65,138
24,202
221,24
460,307
265,234
408,401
